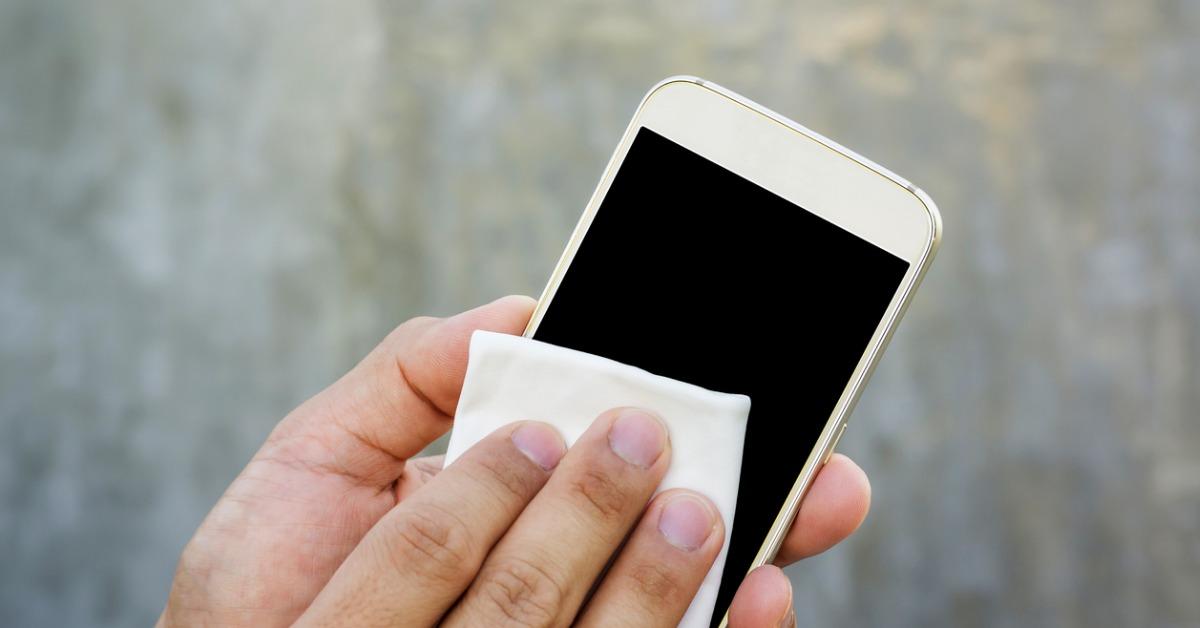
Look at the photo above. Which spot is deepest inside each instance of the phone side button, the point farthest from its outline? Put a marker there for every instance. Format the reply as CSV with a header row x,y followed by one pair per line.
x,y
836,439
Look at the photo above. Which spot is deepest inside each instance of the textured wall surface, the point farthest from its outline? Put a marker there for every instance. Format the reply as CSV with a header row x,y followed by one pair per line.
x,y
208,210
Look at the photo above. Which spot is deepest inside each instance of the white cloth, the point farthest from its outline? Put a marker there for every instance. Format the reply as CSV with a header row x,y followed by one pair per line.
x,y
511,378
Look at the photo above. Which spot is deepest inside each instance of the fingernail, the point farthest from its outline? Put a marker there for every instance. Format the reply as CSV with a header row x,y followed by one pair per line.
x,y
789,618
540,443
638,437
686,522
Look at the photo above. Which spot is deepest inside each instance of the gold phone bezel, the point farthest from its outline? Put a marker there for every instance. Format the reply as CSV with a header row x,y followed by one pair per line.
x,y
813,172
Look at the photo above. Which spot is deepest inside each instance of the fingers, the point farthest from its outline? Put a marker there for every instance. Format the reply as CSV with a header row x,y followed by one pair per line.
x,y
540,572
661,566
396,401
763,601
834,507
421,556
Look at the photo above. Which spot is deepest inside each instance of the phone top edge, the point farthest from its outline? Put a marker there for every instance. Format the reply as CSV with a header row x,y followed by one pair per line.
x,y
933,215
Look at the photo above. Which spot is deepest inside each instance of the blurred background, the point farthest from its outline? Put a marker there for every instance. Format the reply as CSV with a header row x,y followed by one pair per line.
x,y
210,210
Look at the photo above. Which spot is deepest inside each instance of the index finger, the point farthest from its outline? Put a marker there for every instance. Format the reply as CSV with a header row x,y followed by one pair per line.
x,y
421,556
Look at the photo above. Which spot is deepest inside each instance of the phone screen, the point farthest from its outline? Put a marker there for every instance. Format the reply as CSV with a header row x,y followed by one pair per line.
x,y
692,272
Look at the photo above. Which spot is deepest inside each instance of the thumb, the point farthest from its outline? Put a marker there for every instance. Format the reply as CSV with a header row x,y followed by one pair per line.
x,y
401,397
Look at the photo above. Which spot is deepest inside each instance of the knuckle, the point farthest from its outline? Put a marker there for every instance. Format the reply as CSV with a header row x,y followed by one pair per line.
x,y
435,540
404,332
655,582
507,481
522,592
414,323
606,497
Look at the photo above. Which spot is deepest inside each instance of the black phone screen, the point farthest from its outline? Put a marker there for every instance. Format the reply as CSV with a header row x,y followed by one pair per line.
x,y
692,272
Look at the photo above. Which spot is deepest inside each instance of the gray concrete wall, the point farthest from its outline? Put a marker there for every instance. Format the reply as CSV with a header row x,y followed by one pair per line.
x,y
208,210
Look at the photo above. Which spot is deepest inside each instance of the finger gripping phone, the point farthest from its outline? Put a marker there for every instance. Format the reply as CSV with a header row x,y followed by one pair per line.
x,y
731,248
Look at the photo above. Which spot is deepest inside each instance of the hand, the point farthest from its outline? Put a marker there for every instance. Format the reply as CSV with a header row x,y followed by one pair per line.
x,y
332,521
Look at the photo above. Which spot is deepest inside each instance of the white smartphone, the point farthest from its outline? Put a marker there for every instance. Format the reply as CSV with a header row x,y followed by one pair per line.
x,y
731,248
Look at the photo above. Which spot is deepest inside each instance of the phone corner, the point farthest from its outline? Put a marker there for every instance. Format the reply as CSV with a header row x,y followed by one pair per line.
x,y
678,78
673,80
934,216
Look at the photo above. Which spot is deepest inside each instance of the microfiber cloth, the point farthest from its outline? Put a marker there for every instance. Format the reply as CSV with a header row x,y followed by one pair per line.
x,y
511,378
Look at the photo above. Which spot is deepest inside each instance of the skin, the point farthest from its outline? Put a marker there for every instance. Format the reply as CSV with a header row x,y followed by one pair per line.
x,y
334,522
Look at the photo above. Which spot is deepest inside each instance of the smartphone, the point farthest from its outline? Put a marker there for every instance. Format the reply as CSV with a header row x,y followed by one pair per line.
x,y
729,247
